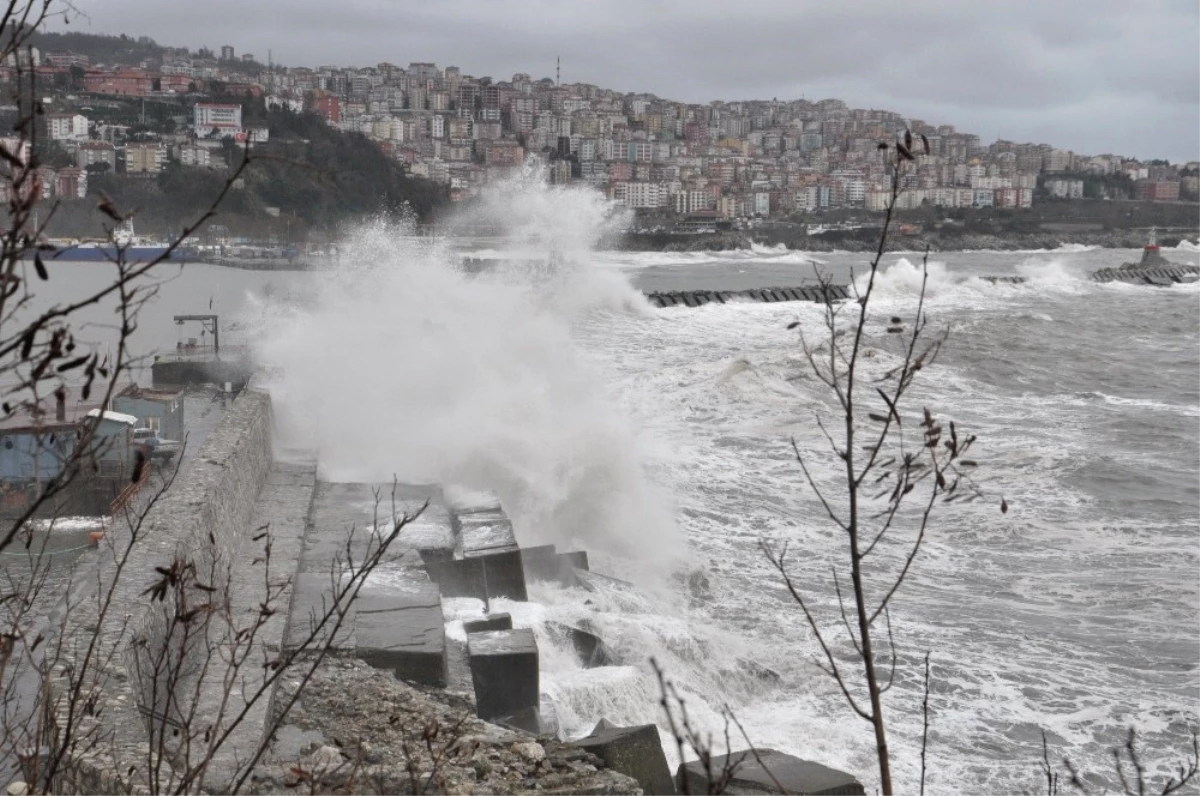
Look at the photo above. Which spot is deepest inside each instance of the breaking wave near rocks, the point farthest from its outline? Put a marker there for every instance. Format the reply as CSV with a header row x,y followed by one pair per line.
x,y
404,364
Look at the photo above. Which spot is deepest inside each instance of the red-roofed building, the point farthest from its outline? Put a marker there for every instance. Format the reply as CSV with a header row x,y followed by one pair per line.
x,y
122,82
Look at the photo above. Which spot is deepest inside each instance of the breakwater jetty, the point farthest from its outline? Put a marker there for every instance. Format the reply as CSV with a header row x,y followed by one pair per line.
x,y
695,298
390,670
1164,276
1160,276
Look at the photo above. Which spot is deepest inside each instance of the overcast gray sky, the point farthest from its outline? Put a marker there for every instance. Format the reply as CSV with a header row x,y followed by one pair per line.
x,y
1095,76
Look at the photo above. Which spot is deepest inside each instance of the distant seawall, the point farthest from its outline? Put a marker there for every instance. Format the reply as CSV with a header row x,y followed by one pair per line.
x,y
1157,277
694,298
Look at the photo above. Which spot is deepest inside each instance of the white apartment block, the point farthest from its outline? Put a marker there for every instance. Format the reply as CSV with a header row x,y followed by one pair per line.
x,y
642,195
226,120
991,183
693,201
856,191
195,156
1057,160
145,158
68,127
1065,189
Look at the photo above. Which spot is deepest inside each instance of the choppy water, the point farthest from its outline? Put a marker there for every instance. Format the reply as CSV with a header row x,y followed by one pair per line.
x,y
1076,612
654,436
659,440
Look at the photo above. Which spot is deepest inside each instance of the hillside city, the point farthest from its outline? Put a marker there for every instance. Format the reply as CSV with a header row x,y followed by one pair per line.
x,y
722,160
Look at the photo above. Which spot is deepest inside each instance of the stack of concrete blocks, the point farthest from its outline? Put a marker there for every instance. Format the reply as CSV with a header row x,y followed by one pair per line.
x,y
486,560
488,563
396,622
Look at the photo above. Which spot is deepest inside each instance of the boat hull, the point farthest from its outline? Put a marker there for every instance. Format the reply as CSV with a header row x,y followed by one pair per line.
x,y
133,254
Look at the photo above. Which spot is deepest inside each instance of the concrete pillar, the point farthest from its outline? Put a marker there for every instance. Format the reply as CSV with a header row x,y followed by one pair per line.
x,y
490,622
504,670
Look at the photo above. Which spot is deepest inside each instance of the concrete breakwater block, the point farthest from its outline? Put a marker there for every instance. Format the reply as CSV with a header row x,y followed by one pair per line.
x,y
504,671
696,298
399,625
486,563
590,648
482,576
544,562
484,532
490,622
594,581
635,752
312,598
345,520
751,776
530,720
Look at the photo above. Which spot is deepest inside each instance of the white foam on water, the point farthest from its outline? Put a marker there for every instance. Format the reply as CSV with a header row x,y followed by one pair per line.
x,y
1054,273
721,388
70,524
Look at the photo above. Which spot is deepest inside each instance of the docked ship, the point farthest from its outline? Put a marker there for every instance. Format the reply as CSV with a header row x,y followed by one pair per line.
x,y
136,249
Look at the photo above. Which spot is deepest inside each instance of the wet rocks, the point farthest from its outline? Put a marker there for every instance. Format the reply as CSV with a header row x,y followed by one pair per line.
x,y
377,726
530,750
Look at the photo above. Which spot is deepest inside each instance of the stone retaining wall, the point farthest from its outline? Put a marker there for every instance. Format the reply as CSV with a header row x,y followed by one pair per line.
x,y
204,518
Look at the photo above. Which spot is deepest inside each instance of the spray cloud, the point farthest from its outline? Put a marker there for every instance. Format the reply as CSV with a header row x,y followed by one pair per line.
x,y
405,365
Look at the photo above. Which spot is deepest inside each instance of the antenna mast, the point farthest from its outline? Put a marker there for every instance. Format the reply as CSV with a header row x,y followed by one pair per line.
x,y
558,70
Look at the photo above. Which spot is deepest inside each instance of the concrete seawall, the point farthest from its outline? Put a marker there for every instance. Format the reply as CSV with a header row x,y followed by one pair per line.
x,y
204,518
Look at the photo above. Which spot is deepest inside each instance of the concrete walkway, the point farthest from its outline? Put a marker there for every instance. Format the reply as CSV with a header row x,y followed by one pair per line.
x,y
396,622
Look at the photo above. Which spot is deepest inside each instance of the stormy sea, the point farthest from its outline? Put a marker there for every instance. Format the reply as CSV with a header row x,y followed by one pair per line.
x,y
660,440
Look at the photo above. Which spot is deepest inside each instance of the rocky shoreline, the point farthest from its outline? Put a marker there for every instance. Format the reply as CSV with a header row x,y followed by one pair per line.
x,y
356,729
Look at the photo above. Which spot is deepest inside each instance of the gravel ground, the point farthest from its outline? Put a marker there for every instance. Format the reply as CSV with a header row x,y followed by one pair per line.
x,y
359,730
